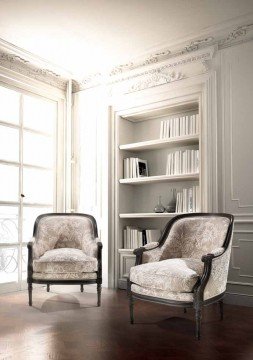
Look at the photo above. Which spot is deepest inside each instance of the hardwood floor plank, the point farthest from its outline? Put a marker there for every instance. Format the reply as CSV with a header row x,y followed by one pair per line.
x,y
70,326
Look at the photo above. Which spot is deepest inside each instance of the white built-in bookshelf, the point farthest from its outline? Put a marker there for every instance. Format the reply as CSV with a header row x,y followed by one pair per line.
x,y
172,150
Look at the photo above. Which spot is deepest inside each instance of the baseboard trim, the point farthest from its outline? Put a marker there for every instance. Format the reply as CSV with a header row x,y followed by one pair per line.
x,y
238,299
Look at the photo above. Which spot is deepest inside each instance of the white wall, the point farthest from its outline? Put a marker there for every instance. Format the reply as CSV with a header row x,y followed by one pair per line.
x,y
235,92
91,144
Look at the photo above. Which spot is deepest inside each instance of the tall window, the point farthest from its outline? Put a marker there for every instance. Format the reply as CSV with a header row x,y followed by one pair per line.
x,y
28,126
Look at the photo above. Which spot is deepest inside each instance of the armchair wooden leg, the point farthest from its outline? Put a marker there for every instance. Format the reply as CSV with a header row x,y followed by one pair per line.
x,y
131,308
221,309
198,315
48,287
185,311
99,288
81,286
131,301
30,290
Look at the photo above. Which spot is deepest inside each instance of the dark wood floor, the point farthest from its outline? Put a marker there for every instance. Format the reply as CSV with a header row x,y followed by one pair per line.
x,y
70,326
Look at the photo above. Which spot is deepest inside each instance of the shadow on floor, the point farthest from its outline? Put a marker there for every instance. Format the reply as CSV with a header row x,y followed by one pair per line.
x,y
60,302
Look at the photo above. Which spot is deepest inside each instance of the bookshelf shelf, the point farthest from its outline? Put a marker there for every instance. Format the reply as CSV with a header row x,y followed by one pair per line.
x,y
159,178
161,143
147,215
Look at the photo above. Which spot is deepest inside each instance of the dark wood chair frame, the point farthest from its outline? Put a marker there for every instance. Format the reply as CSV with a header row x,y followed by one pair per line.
x,y
198,290
82,282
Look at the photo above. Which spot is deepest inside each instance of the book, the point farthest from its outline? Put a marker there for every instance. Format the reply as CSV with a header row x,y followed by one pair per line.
x,y
179,126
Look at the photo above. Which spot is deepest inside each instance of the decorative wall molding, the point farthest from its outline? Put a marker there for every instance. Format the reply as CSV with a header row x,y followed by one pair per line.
x,y
158,78
221,39
22,66
23,62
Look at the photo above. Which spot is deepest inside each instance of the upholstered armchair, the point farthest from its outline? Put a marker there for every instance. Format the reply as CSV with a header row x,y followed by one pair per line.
x,y
65,250
187,267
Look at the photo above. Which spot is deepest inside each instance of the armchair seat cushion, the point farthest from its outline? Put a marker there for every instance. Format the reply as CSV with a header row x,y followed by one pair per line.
x,y
65,260
174,275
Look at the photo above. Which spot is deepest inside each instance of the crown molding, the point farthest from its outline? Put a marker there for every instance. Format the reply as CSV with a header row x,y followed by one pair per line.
x,y
222,38
25,63
143,72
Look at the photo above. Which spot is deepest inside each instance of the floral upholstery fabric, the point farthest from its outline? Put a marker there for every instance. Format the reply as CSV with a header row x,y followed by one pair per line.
x,y
174,275
65,232
65,260
194,237
152,255
162,294
65,276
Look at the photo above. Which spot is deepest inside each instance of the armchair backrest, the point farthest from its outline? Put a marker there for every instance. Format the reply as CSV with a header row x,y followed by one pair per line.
x,y
63,230
195,235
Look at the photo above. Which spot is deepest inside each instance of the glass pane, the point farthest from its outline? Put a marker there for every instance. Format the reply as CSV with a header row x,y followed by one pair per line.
x,y
8,265
38,186
9,105
9,144
8,224
29,216
24,262
38,150
40,114
9,186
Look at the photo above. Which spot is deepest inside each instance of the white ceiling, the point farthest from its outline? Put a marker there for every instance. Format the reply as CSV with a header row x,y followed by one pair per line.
x,y
85,36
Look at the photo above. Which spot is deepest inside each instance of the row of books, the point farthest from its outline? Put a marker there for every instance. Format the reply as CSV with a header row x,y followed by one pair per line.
x,y
183,162
188,200
135,237
179,126
135,167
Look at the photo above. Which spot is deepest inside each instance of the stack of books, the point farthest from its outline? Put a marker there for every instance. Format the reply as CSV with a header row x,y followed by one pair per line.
x,y
179,126
183,162
134,237
135,167
188,200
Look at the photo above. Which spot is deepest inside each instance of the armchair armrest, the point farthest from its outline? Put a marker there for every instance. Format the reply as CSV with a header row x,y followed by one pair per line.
x,y
139,252
30,260
99,258
214,277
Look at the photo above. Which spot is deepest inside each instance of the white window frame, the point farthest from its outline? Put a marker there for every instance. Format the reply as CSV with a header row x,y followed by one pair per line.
x,y
26,86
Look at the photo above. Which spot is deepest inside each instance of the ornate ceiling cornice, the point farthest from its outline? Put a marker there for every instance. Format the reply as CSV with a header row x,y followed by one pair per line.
x,y
133,69
157,67
29,65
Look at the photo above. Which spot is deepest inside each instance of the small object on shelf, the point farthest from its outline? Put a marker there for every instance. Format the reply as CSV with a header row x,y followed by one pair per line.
x,y
159,208
142,168
171,207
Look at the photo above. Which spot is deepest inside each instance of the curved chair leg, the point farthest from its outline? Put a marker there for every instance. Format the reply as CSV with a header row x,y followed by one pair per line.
x,y
30,290
81,287
99,294
221,309
198,315
48,287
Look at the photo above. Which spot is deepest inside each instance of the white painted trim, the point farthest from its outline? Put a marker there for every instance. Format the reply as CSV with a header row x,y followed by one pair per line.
x,y
238,299
25,83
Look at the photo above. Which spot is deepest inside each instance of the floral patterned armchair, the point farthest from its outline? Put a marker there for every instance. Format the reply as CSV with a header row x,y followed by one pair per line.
x,y
188,267
65,250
